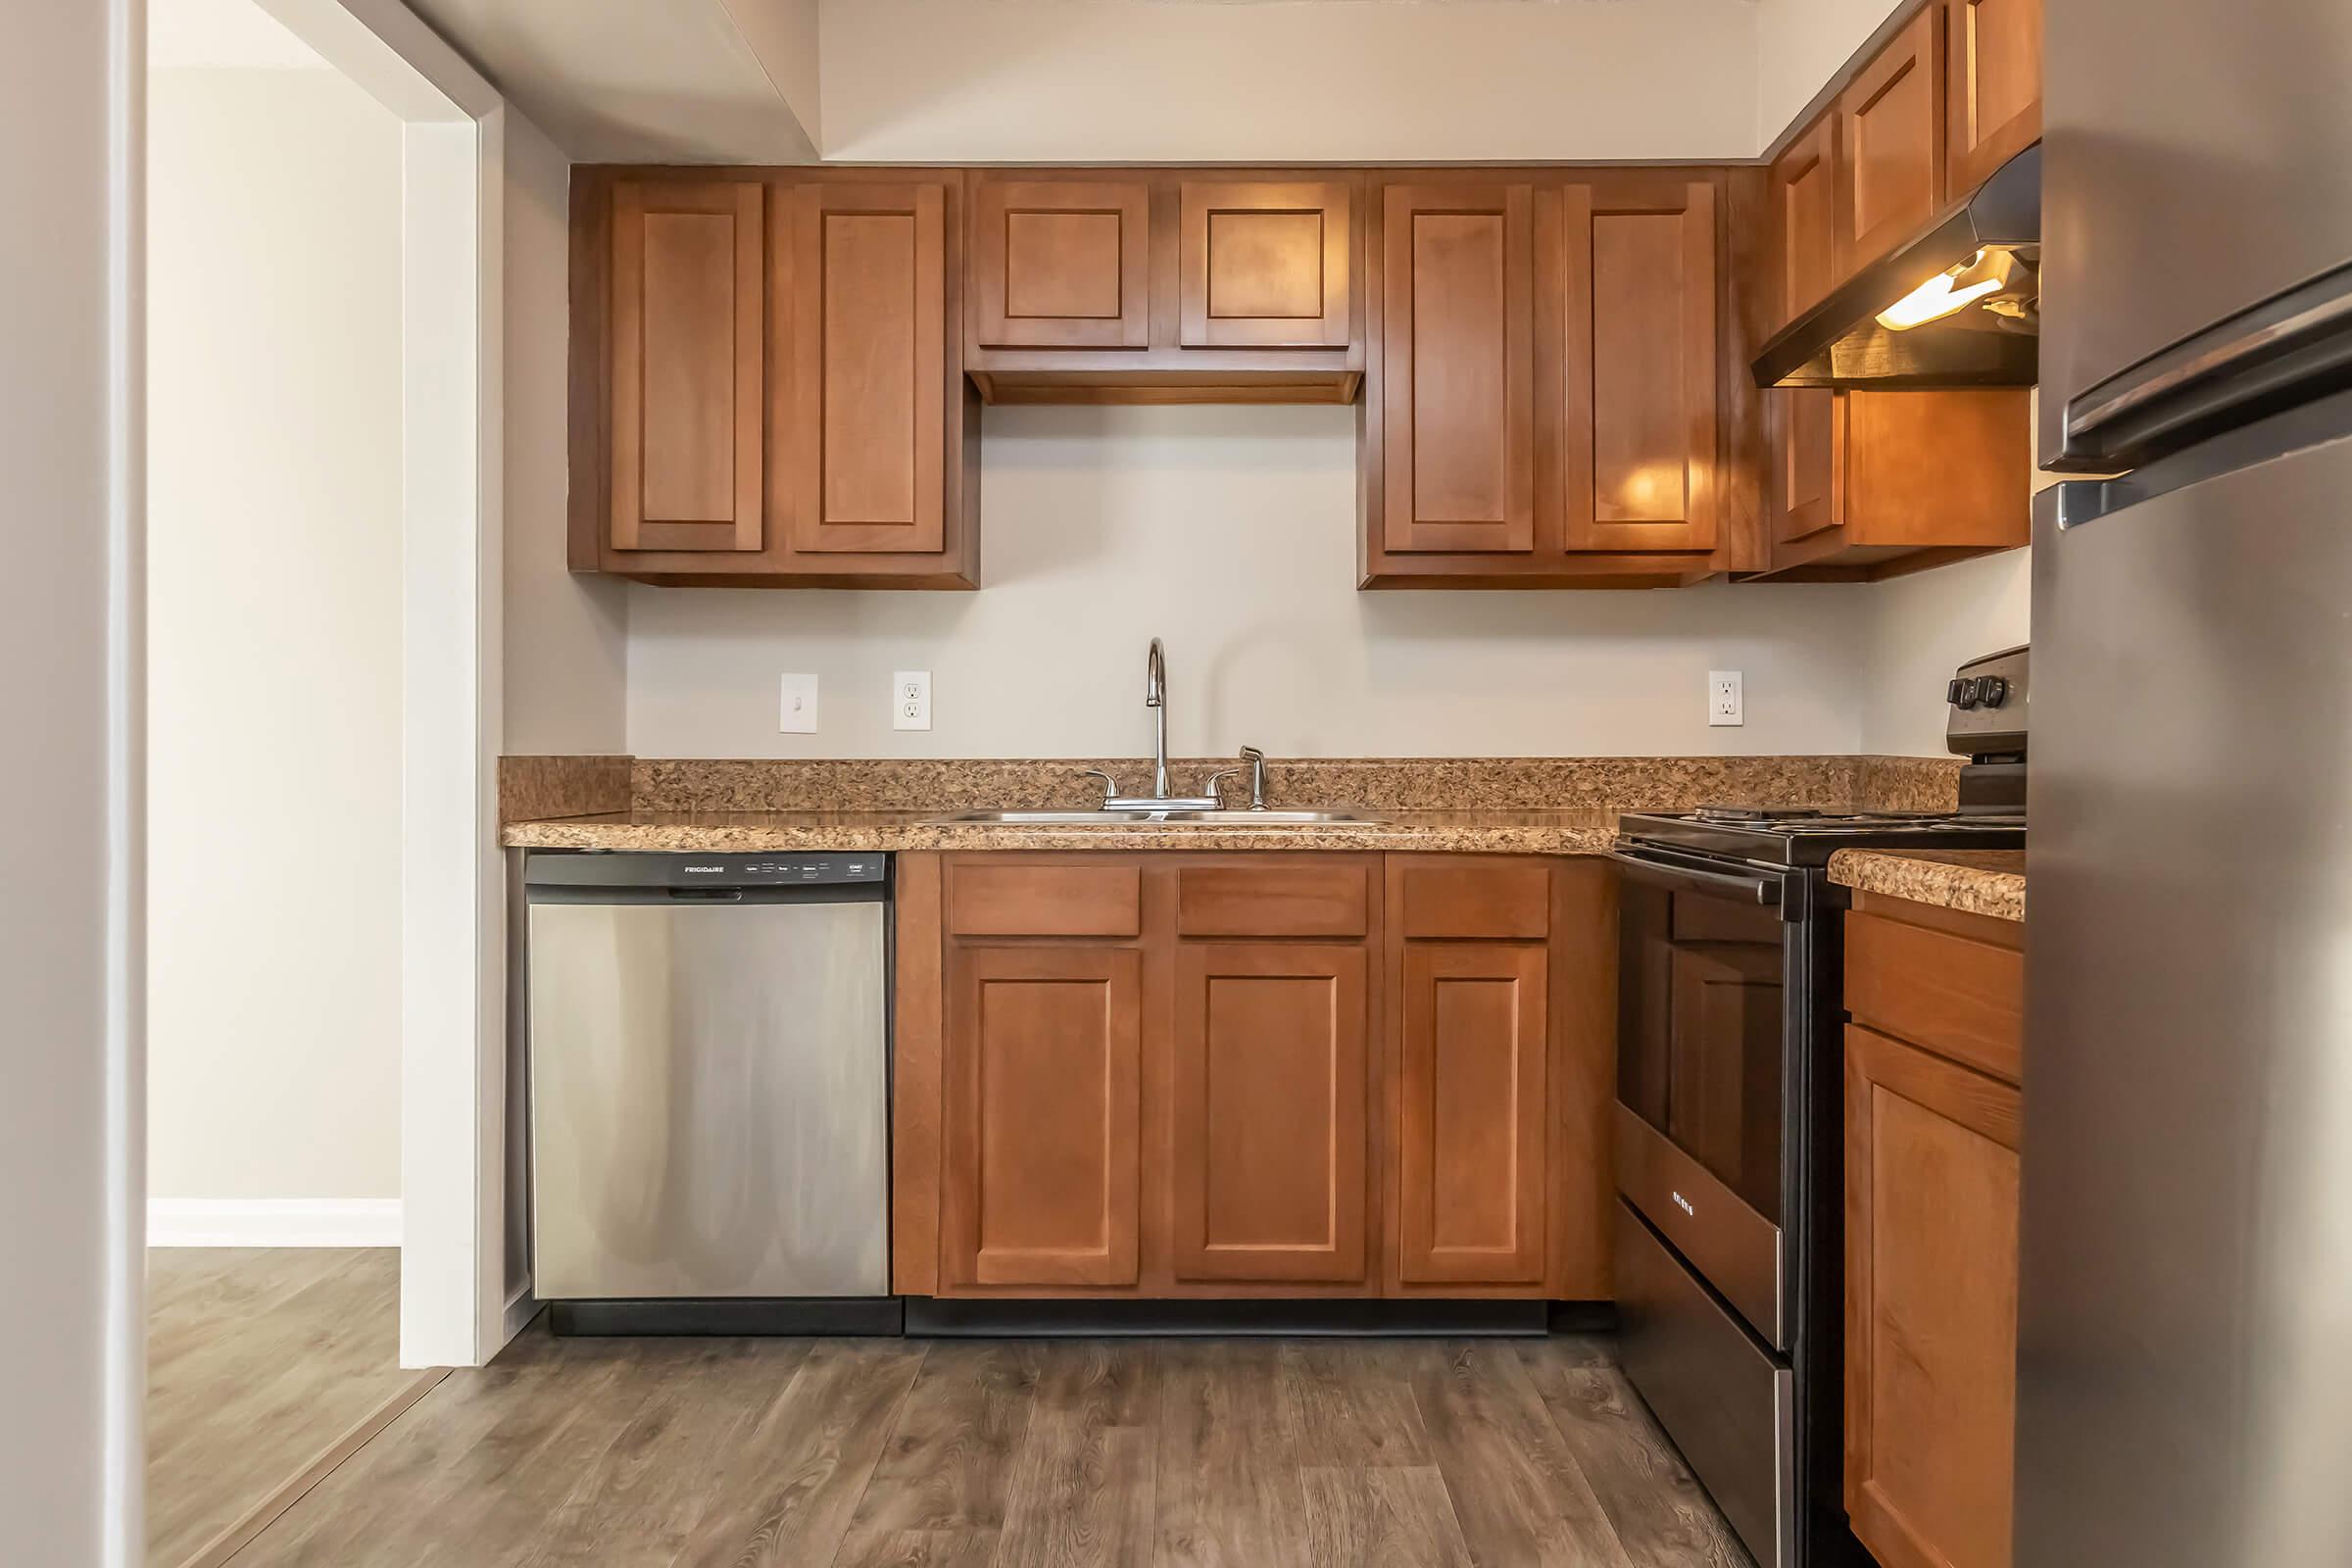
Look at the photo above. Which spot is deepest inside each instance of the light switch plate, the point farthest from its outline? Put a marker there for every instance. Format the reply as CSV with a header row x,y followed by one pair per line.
x,y
796,713
911,700
1724,704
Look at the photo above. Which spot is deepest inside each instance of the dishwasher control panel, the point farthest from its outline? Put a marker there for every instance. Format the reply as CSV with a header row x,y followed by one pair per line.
x,y
630,868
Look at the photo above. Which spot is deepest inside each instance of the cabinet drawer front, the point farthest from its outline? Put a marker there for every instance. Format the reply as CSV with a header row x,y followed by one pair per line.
x,y
1274,901
1503,900
1061,263
1044,901
1960,998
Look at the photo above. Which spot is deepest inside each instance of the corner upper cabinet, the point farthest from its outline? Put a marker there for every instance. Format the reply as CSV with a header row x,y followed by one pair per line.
x,y
766,382
1891,143
1993,52
685,329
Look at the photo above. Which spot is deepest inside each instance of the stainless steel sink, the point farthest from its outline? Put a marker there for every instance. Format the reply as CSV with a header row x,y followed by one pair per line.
x,y
1158,819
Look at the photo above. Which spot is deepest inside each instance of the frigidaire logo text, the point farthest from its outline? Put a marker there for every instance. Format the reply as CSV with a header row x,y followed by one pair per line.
x,y
709,870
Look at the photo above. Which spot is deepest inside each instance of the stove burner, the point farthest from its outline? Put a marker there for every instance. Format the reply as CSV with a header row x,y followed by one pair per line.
x,y
1753,813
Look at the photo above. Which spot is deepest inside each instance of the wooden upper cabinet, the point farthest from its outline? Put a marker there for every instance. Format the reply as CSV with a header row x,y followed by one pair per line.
x,y
1456,341
1042,1117
864,459
1932,1265
1994,94
1061,263
1270,1113
1637,456
687,391
1264,264
1873,484
1891,142
1805,218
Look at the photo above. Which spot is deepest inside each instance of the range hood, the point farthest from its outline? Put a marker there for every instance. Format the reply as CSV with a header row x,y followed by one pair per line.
x,y
1958,305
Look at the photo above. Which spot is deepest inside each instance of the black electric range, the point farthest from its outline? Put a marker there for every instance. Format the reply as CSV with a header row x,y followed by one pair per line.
x,y
1728,1134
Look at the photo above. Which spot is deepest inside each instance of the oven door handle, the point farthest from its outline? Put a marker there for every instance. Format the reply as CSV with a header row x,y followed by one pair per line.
x,y
1650,865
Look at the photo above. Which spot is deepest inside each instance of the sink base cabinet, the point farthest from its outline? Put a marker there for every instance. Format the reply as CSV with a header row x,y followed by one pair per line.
x,y
1250,1075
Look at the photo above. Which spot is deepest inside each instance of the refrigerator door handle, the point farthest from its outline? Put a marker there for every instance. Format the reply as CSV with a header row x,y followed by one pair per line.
x,y
2289,346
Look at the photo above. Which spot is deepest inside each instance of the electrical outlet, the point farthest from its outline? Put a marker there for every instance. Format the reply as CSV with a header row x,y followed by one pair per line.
x,y
1723,698
796,713
911,700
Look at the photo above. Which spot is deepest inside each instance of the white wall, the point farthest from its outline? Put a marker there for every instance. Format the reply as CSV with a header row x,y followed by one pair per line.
x,y
70,1316
1799,46
1108,80
1920,628
274,600
1231,533
565,636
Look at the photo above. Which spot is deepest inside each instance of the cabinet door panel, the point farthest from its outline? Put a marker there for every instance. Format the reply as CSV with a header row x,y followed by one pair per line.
x,y
1270,1113
1932,1194
1637,456
1995,86
1809,445
1890,121
865,273
686,324
1804,194
1457,415
1471,1146
1061,263
1264,265
1044,1124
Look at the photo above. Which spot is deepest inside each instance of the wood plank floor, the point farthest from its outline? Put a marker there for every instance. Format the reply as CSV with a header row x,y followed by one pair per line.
x,y
257,1360
979,1453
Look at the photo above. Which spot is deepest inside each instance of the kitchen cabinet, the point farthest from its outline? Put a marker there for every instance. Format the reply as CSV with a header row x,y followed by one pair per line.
x,y
1165,286
1994,97
1932,1113
1541,405
1236,1075
767,380
1891,130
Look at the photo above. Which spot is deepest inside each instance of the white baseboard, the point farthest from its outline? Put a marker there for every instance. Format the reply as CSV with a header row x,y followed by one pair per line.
x,y
273,1222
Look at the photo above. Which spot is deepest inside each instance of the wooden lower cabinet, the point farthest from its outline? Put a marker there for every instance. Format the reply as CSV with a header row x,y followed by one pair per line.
x,y
1266,1164
1264,1075
1044,1118
1932,1260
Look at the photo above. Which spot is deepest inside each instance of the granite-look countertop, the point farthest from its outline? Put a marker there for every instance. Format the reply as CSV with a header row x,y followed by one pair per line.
x,y
1989,882
1488,832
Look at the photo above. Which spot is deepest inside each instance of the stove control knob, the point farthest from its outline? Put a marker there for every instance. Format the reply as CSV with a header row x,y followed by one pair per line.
x,y
1963,696
1951,694
1992,691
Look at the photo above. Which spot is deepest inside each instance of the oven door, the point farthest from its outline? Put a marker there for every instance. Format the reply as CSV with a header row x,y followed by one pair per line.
x,y
1705,954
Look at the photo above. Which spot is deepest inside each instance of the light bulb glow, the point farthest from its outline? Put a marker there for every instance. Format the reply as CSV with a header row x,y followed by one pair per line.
x,y
1935,300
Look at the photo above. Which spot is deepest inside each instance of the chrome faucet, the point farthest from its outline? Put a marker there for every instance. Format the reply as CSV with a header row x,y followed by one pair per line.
x,y
1156,697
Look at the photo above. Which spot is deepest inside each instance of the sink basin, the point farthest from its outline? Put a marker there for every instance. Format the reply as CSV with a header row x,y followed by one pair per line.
x,y
1171,819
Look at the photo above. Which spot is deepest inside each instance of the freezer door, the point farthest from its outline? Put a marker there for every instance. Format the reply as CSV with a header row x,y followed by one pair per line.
x,y
2186,1336
2198,163
707,1100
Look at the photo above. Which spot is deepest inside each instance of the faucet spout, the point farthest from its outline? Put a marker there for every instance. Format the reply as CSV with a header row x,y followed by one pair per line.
x,y
1156,697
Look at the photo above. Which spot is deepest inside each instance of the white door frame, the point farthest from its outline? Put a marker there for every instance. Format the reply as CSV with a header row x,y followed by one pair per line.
x,y
453,1295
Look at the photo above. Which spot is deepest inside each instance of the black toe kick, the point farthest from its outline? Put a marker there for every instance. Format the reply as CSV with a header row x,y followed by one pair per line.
x,y
731,1315
1333,1317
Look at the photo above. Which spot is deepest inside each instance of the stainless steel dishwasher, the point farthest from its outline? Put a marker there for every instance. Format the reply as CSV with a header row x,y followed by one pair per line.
x,y
709,1087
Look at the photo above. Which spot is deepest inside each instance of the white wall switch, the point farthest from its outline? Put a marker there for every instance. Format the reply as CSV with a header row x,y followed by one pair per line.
x,y
796,715
911,700
1723,698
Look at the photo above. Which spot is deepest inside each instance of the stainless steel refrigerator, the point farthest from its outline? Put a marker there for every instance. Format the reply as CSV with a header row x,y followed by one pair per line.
x,y
2185,1314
